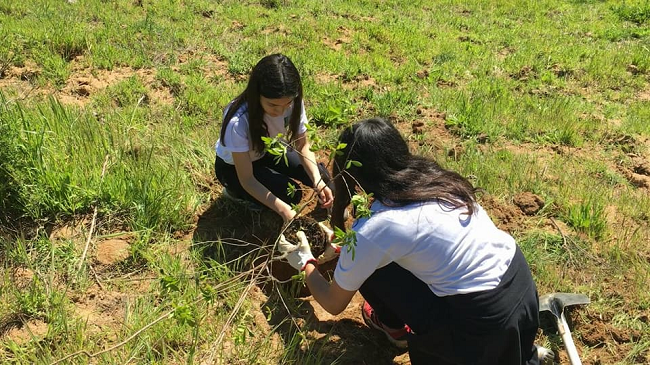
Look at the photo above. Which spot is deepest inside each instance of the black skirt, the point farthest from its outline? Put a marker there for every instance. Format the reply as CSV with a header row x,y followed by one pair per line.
x,y
492,327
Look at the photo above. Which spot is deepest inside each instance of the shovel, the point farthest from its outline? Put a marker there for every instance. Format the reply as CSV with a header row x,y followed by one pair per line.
x,y
555,303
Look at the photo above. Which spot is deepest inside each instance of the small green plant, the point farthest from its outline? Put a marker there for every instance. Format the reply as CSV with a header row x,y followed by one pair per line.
x,y
10,52
347,239
361,203
185,315
291,189
198,96
350,163
170,79
276,147
588,217
333,113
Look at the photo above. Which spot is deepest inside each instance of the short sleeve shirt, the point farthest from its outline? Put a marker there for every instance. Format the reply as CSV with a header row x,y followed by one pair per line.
x,y
452,252
237,134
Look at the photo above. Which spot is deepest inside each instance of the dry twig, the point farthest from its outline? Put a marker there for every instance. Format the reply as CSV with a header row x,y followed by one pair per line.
x,y
92,224
117,345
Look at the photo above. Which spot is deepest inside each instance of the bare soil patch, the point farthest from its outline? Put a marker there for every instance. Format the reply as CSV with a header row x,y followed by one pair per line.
x,y
26,331
85,82
112,251
102,312
22,277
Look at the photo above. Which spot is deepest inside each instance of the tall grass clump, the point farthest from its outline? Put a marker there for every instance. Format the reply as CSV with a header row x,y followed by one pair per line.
x,y
60,162
589,217
10,161
637,12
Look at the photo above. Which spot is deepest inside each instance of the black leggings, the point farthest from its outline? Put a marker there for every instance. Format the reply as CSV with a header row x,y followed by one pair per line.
x,y
274,177
496,326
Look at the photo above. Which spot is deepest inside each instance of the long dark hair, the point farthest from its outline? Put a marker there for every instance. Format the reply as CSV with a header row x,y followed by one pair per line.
x,y
391,173
274,77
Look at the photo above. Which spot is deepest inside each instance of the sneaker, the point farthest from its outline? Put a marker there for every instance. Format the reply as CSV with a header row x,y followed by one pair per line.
x,y
396,337
252,206
545,356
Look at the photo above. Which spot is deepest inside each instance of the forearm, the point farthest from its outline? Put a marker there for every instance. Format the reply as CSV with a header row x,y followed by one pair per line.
x,y
264,195
320,288
308,159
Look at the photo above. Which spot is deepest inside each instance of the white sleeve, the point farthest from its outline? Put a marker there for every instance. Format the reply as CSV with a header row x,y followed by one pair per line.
x,y
236,136
302,128
350,273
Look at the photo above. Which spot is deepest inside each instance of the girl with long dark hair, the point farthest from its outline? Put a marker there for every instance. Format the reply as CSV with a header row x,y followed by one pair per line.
x,y
436,274
272,104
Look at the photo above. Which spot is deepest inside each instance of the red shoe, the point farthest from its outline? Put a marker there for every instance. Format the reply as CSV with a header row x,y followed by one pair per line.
x,y
396,337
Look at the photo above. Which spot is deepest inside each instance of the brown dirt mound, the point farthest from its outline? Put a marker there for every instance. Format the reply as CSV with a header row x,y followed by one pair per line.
x,y
23,331
506,217
529,203
112,251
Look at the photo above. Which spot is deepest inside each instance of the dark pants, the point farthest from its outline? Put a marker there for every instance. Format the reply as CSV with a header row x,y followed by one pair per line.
x,y
274,176
496,326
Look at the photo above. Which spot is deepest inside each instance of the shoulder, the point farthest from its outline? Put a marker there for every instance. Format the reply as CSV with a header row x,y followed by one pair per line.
x,y
383,219
241,114
238,120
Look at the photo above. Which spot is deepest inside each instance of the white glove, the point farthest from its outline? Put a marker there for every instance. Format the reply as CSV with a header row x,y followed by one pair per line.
x,y
298,255
332,251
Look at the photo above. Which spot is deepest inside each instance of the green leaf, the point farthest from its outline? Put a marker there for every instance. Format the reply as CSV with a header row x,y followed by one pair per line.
x,y
291,189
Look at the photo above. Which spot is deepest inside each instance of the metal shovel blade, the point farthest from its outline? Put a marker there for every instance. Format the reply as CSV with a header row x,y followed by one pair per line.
x,y
555,303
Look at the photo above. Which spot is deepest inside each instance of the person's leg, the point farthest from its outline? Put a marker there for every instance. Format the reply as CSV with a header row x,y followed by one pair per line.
x,y
516,345
227,176
295,169
277,176
398,298
274,176
276,182
501,323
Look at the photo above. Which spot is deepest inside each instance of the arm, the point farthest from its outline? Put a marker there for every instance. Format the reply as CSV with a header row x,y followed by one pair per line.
x,y
330,296
309,161
244,168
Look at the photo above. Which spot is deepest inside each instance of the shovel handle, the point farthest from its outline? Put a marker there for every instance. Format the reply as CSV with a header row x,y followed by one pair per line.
x,y
563,328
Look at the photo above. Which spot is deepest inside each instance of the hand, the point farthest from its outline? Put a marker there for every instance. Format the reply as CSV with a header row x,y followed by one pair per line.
x,y
325,196
332,250
298,255
287,214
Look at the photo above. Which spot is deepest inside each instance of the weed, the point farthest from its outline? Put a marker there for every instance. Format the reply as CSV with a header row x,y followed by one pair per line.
x,y
170,79
588,217
11,52
333,113
129,92
198,97
637,12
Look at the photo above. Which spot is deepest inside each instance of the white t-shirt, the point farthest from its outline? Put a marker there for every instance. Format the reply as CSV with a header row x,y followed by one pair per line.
x,y
450,251
237,136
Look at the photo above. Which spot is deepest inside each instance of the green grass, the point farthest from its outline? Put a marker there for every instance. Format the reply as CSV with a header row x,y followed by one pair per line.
x,y
548,97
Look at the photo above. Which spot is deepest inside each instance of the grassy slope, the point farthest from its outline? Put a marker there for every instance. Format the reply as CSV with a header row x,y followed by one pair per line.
x,y
548,97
